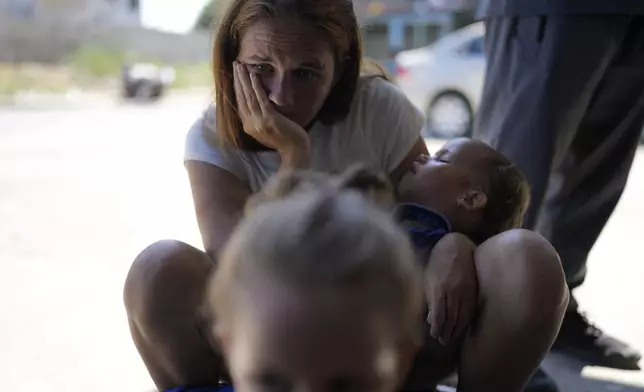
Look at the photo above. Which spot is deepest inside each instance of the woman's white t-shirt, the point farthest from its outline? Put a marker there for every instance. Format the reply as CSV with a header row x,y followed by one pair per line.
x,y
379,131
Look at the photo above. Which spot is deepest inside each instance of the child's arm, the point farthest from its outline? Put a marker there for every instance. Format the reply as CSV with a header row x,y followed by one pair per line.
x,y
451,286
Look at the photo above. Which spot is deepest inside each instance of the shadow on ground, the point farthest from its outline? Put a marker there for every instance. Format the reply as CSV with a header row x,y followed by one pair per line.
x,y
575,376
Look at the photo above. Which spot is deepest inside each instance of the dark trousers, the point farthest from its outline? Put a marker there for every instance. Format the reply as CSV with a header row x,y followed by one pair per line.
x,y
564,99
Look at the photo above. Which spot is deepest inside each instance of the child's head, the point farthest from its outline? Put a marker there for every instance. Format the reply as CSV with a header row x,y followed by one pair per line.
x,y
373,185
478,189
317,291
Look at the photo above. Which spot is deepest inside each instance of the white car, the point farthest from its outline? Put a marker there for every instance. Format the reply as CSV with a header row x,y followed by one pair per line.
x,y
445,80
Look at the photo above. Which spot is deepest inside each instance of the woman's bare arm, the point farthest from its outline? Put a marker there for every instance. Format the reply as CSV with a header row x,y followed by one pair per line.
x,y
219,198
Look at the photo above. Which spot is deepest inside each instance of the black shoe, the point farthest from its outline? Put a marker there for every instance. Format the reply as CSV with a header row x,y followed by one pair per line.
x,y
584,341
541,382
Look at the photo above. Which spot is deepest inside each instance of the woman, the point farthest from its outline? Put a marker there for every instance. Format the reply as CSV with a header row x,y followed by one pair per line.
x,y
289,95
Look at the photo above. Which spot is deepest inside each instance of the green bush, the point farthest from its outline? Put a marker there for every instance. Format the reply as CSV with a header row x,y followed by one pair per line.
x,y
96,61
90,67
193,75
15,78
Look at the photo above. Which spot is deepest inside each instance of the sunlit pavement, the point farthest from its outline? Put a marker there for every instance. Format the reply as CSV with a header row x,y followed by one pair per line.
x,y
83,189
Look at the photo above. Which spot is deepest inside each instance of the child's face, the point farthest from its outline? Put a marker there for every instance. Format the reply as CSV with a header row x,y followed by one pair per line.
x,y
314,340
443,181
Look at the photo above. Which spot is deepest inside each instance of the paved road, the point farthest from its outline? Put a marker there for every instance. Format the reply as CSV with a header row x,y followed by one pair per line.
x,y
83,189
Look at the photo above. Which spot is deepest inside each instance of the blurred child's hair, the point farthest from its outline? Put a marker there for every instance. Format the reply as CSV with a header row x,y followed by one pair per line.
x,y
310,230
374,185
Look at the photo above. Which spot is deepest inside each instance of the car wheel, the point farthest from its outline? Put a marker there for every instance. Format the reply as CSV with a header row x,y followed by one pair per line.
x,y
145,92
450,116
157,92
129,91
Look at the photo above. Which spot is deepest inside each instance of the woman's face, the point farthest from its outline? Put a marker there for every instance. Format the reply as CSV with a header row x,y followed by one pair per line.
x,y
294,63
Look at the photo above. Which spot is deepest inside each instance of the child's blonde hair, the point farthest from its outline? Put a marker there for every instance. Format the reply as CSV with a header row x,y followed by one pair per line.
x,y
313,230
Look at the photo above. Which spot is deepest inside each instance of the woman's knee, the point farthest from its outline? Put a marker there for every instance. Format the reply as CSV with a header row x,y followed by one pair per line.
x,y
522,269
165,280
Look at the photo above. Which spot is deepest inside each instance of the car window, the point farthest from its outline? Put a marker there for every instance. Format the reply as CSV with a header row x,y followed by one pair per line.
x,y
474,47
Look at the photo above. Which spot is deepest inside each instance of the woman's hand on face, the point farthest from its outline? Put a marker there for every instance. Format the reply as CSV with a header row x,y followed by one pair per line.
x,y
265,124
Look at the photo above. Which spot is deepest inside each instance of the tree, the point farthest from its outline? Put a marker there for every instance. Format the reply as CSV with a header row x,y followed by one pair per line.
x,y
206,18
210,14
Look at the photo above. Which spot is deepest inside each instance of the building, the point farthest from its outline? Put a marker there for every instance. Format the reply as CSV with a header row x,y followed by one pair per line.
x,y
110,12
394,25
48,30
124,12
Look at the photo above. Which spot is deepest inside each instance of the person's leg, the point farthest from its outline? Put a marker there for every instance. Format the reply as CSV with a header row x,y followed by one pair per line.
x,y
522,300
541,76
589,183
543,82
163,296
503,118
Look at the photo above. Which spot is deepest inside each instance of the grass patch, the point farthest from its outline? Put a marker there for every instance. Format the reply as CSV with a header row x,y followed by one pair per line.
x,y
97,62
193,75
34,77
100,63
90,67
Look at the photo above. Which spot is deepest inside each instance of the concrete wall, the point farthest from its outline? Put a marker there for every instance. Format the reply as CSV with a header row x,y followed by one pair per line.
x,y
124,13
48,39
158,45
38,39
50,30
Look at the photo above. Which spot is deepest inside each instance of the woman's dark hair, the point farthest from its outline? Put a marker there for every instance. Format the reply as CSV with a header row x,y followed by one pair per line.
x,y
334,19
